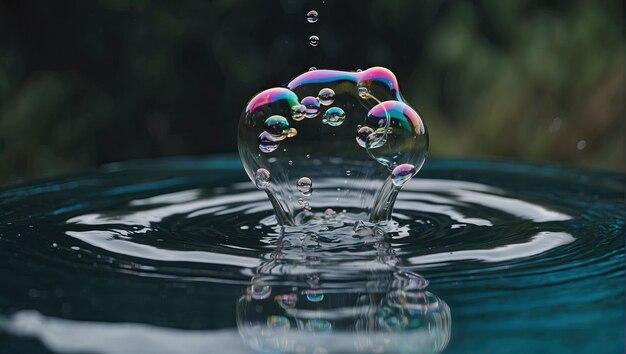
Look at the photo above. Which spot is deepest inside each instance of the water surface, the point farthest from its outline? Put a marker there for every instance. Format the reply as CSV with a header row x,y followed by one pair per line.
x,y
154,256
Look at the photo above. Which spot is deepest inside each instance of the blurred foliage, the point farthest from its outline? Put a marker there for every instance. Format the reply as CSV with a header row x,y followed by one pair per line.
x,y
88,82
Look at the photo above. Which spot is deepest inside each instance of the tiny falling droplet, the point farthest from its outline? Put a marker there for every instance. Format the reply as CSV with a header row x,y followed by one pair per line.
x,y
314,40
312,16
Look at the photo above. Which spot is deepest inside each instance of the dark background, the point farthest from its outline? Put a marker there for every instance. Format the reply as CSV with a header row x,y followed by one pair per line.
x,y
84,83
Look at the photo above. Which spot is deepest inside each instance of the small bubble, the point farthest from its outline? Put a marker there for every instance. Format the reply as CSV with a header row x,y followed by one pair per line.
x,y
277,127
314,40
358,70
292,132
312,16
581,144
402,173
348,173
262,178
267,143
290,162
54,245
364,93
312,106
312,68
297,112
335,116
362,134
304,185
260,292
330,214
308,156
326,96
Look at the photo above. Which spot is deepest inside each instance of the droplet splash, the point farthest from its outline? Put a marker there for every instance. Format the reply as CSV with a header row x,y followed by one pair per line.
x,y
363,121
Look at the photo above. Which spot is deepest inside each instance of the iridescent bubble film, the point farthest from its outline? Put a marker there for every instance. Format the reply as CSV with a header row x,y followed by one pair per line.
x,y
327,122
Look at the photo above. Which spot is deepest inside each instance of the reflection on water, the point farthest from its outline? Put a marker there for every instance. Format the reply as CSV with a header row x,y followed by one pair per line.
x,y
389,314
136,257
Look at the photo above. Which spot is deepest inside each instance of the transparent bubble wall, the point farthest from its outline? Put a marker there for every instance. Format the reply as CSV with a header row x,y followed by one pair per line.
x,y
350,135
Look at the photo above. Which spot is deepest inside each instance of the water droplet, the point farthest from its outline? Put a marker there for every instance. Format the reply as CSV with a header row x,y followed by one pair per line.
x,y
326,96
335,116
362,134
297,112
402,173
314,40
267,143
277,127
304,185
312,16
312,106
262,178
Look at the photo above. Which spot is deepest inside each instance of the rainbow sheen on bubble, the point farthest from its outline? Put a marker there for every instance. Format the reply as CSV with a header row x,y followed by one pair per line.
x,y
326,122
399,130
334,116
277,127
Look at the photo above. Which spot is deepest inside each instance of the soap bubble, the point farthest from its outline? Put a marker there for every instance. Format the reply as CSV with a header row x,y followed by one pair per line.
x,y
297,112
379,83
277,127
402,173
314,40
304,185
326,96
311,16
267,143
362,134
263,178
400,136
334,116
312,105
388,132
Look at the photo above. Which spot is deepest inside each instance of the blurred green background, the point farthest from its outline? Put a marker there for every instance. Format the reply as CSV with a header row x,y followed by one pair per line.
x,y
84,83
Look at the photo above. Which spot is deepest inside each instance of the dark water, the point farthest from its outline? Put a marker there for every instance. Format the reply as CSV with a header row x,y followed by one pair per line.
x,y
169,256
